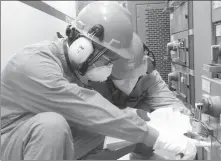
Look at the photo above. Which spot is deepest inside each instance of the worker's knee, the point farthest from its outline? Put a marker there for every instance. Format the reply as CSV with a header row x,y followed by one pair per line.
x,y
50,133
52,120
53,123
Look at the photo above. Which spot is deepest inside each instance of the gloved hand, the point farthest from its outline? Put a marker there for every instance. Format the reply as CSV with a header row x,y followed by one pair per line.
x,y
180,145
143,114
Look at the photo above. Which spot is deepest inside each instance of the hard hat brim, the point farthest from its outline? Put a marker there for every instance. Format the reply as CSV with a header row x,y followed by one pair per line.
x,y
126,53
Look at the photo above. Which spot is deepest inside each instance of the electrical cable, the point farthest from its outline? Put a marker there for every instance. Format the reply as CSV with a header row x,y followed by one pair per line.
x,y
208,133
216,139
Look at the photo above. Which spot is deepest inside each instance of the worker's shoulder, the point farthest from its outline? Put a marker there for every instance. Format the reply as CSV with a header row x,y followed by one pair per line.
x,y
41,50
148,80
34,57
154,76
36,47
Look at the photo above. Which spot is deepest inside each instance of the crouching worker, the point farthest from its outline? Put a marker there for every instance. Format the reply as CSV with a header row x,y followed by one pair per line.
x,y
48,113
141,88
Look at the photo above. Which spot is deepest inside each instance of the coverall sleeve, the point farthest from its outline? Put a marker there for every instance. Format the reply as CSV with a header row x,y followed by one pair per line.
x,y
157,94
45,89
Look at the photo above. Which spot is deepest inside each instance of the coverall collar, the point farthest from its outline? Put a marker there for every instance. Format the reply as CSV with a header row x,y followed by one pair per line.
x,y
58,51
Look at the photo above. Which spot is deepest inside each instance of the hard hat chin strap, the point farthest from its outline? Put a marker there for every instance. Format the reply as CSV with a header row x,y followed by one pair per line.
x,y
65,47
148,53
92,59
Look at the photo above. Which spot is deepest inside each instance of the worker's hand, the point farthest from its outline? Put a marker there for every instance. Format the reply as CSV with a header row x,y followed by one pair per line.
x,y
196,136
183,109
182,146
143,114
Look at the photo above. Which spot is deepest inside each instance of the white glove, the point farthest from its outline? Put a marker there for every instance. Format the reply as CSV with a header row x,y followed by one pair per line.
x,y
176,144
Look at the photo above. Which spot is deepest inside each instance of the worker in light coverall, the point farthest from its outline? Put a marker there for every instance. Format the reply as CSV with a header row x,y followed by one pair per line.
x,y
49,112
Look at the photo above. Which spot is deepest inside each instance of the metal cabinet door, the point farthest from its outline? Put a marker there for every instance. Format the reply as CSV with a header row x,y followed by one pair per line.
x,y
179,19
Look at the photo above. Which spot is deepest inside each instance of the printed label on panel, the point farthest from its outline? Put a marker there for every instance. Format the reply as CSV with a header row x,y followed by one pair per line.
x,y
206,85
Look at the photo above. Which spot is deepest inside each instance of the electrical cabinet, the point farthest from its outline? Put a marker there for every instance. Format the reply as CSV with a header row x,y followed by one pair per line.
x,y
216,11
211,83
195,55
180,49
192,52
179,19
180,54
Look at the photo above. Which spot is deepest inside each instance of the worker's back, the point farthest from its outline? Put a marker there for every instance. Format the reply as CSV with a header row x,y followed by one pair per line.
x,y
17,85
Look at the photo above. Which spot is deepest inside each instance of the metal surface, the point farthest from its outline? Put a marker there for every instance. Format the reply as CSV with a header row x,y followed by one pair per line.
x,y
190,15
184,86
193,22
191,49
211,80
190,35
192,90
217,33
212,67
179,19
182,52
185,90
202,41
212,87
181,22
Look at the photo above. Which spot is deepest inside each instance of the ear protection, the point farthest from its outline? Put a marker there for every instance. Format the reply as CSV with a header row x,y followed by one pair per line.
x,y
81,48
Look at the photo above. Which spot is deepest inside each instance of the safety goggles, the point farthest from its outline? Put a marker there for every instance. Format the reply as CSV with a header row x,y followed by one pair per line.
x,y
100,57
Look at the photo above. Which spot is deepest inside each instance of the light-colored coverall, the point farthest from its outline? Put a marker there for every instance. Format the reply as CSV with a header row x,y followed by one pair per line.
x,y
47,114
149,94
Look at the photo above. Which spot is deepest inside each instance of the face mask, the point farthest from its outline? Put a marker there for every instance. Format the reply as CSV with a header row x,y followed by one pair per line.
x,y
126,85
99,74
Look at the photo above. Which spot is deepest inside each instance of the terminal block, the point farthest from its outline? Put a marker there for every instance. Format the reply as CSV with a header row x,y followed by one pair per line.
x,y
179,54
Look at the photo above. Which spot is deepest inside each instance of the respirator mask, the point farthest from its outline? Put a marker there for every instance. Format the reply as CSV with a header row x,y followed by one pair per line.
x,y
99,74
